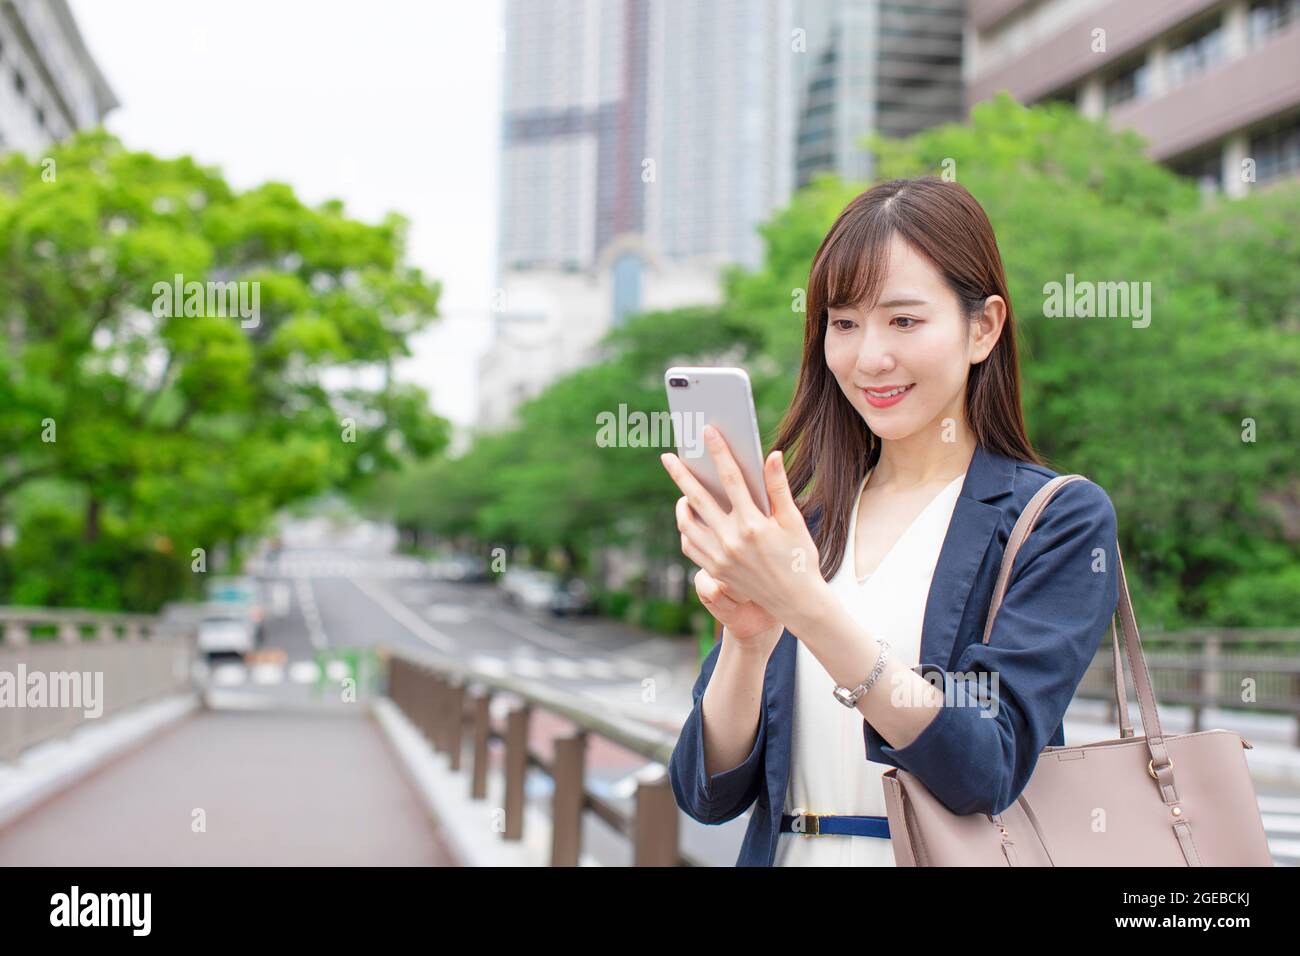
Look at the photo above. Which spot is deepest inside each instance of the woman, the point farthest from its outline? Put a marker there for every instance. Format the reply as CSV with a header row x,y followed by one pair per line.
x,y
835,606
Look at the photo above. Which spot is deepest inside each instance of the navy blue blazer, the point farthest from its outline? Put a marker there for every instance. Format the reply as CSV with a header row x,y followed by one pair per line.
x,y
1058,605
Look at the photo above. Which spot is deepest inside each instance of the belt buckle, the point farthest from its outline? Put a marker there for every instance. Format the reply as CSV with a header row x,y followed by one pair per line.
x,y
812,821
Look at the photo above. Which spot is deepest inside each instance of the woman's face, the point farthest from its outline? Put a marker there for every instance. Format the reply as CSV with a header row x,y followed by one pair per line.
x,y
917,336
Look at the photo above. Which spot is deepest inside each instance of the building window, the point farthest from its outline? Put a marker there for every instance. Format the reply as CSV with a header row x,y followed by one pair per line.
x,y
1130,84
1206,169
1277,151
1269,16
1066,97
627,286
1196,54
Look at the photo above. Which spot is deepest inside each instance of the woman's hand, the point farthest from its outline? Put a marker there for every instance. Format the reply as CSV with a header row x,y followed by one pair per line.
x,y
753,557
745,621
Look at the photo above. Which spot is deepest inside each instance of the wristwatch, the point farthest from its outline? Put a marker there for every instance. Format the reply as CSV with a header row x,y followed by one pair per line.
x,y
850,698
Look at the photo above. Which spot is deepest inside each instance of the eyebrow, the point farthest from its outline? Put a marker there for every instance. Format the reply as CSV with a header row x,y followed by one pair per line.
x,y
890,303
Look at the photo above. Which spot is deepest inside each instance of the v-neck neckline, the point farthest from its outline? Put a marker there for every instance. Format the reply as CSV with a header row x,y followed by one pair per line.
x,y
853,528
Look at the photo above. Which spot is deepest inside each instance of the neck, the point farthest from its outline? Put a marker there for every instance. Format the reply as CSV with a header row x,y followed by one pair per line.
x,y
922,458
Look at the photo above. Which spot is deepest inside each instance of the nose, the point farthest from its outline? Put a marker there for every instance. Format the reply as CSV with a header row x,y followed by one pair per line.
x,y
874,357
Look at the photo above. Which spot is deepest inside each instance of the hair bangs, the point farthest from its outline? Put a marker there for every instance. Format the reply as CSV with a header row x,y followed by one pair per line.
x,y
854,268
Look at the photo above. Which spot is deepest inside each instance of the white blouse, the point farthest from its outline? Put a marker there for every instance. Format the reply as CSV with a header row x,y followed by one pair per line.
x,y
829,771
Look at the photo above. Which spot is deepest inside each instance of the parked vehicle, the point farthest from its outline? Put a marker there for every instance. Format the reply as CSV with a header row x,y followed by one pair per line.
x,y
463,568
572,597
227,628
236,597
546,591
529,588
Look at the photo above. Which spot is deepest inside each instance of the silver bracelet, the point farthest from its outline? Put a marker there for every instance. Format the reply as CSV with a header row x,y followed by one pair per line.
x,y
850,698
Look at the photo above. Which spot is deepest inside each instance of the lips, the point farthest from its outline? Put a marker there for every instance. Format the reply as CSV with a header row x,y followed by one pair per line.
x,y
876,401
885,390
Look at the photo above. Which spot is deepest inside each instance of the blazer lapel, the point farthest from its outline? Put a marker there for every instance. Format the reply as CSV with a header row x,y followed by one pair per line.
x,y
989,477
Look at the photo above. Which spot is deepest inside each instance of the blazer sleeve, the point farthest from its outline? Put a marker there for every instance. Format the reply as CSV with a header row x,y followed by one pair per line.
x,y
977,757
724,795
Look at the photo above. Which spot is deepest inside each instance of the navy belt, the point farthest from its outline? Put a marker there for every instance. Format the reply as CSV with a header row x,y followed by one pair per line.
x,y
841,823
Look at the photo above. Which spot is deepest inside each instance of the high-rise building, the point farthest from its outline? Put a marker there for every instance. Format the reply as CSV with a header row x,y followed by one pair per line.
x,y
892,68
644,142
1213,86
50,85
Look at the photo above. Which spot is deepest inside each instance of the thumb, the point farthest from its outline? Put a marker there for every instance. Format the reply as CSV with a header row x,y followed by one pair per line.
x,y
778,489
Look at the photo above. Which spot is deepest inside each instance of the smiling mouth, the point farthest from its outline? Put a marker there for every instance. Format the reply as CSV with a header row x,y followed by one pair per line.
x,y
891,393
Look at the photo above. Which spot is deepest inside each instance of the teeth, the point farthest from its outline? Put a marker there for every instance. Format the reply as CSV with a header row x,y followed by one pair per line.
x,y
896,391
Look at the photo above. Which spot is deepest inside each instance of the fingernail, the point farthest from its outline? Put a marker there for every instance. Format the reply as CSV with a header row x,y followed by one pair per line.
x,y
710,432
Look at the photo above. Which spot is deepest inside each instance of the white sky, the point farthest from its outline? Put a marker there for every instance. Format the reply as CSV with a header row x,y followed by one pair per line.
x,y
385,104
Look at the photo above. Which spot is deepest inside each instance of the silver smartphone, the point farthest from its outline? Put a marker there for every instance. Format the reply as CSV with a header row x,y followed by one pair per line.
x,y
721,397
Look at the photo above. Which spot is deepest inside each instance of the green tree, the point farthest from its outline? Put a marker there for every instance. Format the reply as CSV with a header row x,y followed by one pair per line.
x,y
1160,413
135,430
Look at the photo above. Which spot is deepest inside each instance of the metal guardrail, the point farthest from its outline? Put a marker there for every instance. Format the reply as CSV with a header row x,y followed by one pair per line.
x,y
1246,669
444,698
106,661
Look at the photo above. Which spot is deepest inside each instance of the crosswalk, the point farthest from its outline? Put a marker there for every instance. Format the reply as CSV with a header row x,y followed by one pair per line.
x,y
272,673
521,662
524,662
1281,817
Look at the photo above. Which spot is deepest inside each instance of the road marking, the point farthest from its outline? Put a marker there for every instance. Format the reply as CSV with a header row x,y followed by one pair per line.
x,y
540,635
1277,823
304,672
600,668
281,599
447,613
311,614
1285,849
229,675
489,665
407,618
528,667
268,674
1271,804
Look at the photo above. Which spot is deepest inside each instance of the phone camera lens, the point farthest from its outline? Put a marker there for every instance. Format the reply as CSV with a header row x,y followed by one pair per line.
x,y
678,382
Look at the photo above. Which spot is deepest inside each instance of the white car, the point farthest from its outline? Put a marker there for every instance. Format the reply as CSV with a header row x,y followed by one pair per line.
x,y
227,596
227,628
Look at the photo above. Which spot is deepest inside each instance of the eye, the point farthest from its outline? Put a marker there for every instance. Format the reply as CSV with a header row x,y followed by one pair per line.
x,y
835,323
907,318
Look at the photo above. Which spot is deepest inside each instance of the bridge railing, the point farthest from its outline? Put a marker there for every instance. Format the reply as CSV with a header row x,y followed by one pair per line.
x,y
1245,669
450,701
61,668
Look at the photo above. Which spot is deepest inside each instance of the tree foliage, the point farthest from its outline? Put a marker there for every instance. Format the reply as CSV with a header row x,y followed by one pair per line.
x,y
1187,421
133,432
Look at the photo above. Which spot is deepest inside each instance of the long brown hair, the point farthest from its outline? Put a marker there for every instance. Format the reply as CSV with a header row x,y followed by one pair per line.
x,y
828,444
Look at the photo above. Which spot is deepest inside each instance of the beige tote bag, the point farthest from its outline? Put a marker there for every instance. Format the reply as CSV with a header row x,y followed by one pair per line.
x,y
1185,800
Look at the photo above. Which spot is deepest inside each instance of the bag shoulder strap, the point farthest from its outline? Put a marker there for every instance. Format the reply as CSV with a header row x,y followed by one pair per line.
x,y
1024,524
1127,633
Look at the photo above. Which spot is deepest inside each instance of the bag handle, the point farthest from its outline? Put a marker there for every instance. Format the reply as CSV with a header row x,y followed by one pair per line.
x,y
1132,641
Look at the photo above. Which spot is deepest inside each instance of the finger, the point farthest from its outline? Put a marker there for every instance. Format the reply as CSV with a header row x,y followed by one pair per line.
x,y
693,553
779,495
712,594
721,596
695,492
699,534
729,473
